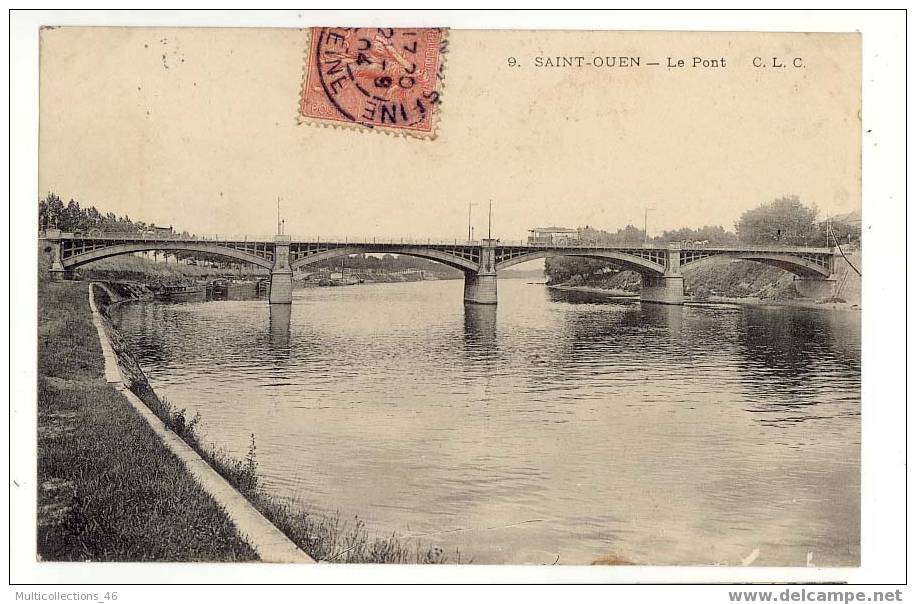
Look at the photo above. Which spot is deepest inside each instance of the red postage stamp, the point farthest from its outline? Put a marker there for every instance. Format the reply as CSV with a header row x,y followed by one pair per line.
x,y
374,78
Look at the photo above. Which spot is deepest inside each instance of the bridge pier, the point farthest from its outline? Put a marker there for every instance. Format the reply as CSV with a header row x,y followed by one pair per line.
x,y
480,287
662,289
667,288
817,289
57,270
59,273
281,275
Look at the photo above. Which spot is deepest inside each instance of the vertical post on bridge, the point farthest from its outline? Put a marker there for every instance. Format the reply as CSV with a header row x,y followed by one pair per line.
x,y
58,272
53,249
667,288
281,275
480,286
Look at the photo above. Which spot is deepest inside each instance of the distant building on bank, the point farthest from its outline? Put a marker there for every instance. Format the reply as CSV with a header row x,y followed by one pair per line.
x,y
161,230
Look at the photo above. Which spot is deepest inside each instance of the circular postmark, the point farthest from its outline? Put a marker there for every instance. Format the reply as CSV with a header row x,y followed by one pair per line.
x,y
379,76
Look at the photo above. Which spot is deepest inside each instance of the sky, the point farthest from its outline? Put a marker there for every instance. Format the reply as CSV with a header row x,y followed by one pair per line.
x,y
198,128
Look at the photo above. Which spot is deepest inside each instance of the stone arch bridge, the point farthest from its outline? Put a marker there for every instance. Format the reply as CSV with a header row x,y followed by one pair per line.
x,y
660,266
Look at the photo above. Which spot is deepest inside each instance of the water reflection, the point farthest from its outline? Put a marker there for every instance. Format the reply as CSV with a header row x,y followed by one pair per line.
x,y
584,425
153,346
801,365
572,296
667,316
480,325
279,325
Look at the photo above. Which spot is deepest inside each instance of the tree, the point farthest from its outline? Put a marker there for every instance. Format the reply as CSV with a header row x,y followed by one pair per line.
x,y
628,234
715,235
560,269
785,220
840,232
52,213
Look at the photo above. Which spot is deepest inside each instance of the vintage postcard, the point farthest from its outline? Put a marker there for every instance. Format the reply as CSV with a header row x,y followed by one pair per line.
x,y
438,295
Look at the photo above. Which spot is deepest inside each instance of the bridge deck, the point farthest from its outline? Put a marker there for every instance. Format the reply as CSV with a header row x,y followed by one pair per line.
x,y
418,242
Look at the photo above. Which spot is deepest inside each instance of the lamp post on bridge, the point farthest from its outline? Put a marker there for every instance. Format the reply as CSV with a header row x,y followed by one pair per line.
x,y
281,275
645,226
470,228
490,221
480,284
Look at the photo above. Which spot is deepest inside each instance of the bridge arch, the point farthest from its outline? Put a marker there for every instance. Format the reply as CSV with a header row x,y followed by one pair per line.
x,y
795,264
435,255
164,246
621,259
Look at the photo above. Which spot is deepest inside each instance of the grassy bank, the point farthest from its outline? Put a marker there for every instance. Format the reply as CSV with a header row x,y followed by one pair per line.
x,y
108,489
329,539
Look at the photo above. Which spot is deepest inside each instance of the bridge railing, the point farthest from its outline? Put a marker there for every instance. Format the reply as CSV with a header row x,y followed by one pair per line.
x,y
370,240
148,236
664,246
419,241
693,246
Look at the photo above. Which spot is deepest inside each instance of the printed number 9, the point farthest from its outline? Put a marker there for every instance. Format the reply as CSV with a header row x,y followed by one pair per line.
x,y
512,62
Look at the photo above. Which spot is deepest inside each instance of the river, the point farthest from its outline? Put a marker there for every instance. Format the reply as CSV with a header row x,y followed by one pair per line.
x,y
559,427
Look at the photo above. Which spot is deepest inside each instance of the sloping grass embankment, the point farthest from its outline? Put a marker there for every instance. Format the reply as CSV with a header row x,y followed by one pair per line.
x,y
108,489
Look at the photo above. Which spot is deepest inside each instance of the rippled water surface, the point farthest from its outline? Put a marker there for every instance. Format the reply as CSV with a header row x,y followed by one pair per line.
x,y
559,427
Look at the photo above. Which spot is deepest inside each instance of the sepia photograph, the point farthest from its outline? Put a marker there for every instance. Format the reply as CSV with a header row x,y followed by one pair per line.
x,y
471,297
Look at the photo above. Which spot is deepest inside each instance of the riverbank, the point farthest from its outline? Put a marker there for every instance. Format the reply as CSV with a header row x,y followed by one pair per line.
x,y
794,303
729,281
143,270
108,489
715,300
323,538
268,542
408,277
610,292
